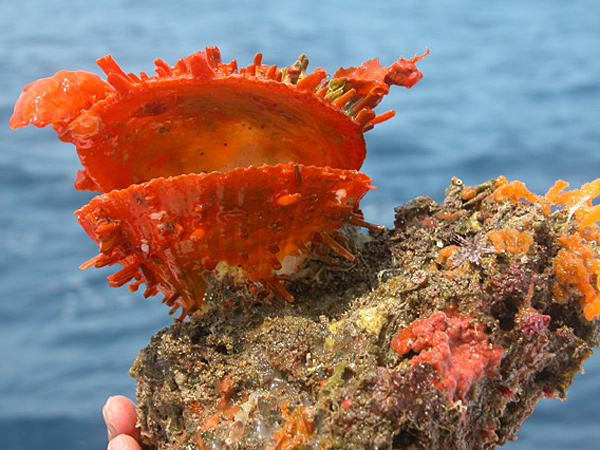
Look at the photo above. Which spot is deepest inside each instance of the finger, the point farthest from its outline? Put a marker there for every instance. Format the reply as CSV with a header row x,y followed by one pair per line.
x,y
120,417
123,442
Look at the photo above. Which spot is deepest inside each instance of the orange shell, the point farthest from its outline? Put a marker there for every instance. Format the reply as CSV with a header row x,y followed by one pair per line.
x,y
169,232
202,115
58,99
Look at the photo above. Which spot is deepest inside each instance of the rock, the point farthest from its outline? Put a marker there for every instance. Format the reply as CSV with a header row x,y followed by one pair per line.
x,y
444,332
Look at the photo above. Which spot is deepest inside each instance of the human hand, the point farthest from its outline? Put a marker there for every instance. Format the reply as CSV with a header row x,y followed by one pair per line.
x,y
120,417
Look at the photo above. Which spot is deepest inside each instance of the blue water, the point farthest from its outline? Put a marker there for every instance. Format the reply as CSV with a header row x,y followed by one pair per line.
x,y
510,87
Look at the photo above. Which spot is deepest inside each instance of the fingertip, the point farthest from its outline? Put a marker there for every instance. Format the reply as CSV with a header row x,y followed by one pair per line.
x,y
121,400
120,416
123,442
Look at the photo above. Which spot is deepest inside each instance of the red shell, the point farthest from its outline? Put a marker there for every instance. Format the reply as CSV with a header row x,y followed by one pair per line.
x,y
203,115
169,232
174,144
58,99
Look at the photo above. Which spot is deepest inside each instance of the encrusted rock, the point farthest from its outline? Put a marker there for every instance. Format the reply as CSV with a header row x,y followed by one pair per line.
x,y
444,332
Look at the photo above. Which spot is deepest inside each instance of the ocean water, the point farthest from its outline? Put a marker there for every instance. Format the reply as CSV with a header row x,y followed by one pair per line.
x,y
509,88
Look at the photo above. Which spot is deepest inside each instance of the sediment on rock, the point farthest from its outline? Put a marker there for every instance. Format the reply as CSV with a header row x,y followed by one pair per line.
x,y
444,332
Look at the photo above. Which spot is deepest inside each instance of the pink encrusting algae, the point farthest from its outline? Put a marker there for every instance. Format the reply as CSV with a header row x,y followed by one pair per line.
x,y
456,346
